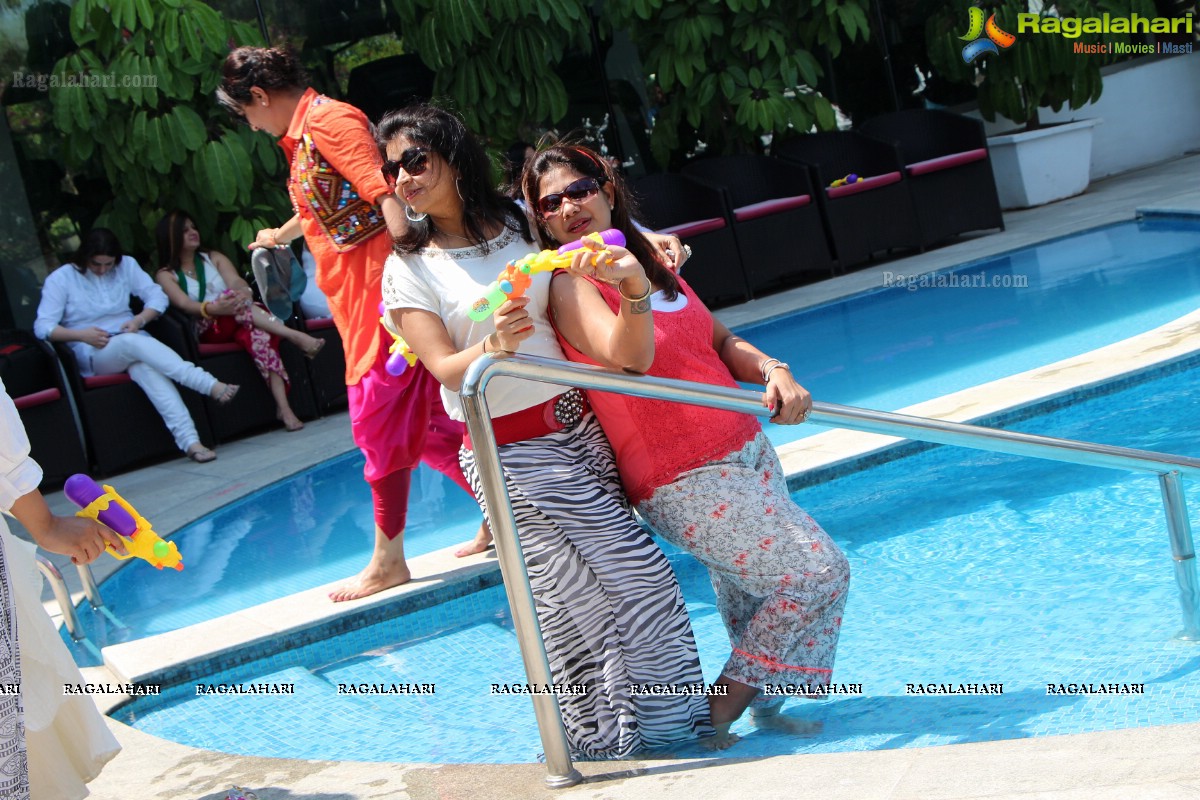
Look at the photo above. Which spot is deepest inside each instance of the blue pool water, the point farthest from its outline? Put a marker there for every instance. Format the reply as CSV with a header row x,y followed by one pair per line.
x,y
968,567
885,349
314,528
891,348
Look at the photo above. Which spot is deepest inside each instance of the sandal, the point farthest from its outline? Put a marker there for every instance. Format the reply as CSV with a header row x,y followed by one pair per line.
x,y
200,454
224,396
312,352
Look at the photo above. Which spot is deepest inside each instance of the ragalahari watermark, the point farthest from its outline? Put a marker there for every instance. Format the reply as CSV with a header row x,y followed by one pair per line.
x,y
45,81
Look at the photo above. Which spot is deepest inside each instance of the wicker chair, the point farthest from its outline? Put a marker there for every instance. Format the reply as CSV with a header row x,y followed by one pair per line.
x,y
876,213
253,409
696,213
949,170
326,372
778,225
34,381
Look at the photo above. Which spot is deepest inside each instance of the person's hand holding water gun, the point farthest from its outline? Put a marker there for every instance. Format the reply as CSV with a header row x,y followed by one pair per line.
x,y
517,276
81,539
137,538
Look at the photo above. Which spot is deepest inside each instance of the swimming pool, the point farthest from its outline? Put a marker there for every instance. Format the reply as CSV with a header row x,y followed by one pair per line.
x,y
968,568
892,347
311,529
885,349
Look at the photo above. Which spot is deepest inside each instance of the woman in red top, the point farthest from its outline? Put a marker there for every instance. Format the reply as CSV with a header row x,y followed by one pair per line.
x,y
345,210
708,481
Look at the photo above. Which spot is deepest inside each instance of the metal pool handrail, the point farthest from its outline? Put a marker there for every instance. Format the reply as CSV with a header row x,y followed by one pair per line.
x,y
59,586
1169,469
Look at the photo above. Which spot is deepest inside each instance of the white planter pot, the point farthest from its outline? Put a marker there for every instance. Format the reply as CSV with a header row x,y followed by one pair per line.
x,y
1043,165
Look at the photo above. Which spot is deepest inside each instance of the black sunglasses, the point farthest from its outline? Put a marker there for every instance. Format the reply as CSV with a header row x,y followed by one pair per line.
x,y
414,161
577,192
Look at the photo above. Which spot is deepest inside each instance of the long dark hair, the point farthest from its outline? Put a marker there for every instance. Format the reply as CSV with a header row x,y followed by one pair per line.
x,y
270,68
587,163
168,235
97,242
445,134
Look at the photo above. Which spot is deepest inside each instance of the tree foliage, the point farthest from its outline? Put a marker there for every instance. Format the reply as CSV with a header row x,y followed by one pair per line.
x,y
496,60
1039,70
729,72
142,119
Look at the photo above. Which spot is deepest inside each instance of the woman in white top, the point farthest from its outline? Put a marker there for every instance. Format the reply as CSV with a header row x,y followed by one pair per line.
x,y
65,736
86,305
204,284
609,608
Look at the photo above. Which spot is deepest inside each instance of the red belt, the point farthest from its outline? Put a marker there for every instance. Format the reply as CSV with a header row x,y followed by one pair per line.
x,y
532,422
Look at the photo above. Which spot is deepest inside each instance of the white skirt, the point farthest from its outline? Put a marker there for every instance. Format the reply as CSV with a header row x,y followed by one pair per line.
x,y
65,737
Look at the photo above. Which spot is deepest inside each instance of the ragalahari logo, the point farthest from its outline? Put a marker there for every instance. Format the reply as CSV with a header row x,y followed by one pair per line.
x,y
996,37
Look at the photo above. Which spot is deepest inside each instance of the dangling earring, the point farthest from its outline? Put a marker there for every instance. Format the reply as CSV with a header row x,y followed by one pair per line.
x,y
408,212
458,188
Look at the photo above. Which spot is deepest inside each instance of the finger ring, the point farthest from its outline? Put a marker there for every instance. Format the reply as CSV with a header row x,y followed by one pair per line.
x,y
687,249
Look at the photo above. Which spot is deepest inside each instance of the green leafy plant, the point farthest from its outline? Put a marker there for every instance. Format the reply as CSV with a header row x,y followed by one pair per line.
x,y
135,106
728,72
1040,69
496,60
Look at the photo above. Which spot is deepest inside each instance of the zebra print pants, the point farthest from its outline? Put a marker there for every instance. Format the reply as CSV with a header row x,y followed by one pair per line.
x,y
610,609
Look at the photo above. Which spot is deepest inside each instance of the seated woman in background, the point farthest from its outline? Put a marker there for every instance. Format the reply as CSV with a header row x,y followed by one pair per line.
x,y
708,481
86,305
205,284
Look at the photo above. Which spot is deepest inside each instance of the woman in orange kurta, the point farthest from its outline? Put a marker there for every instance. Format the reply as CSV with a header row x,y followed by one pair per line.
x,y
344,210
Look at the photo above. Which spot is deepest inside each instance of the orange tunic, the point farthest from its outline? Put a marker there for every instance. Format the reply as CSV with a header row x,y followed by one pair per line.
x,y
349,265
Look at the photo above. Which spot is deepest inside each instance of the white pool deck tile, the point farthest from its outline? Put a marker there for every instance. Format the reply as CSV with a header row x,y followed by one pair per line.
x,y
1141,763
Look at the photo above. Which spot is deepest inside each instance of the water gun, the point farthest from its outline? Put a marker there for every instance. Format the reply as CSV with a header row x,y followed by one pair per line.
x,y
140,538
401,356
518,275
846,181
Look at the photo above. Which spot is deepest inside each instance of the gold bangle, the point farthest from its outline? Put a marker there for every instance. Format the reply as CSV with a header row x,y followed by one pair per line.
x,y
639,298
204,310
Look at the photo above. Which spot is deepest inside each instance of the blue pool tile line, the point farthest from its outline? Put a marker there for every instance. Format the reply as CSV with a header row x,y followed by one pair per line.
x,y
437,606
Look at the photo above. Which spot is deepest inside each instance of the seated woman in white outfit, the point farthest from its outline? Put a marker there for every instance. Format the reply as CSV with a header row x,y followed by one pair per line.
x,y
86,305
65,736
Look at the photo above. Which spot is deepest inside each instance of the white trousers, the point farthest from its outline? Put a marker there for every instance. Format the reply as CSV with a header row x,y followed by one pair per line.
x,y
152,365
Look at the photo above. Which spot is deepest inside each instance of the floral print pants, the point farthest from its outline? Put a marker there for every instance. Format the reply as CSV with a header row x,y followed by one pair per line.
x,y
780,580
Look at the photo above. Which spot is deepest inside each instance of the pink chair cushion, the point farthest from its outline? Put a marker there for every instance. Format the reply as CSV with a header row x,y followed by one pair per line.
x,y
864,185
37,398
318,324
774,206
218,349
695,228
946,162
98,381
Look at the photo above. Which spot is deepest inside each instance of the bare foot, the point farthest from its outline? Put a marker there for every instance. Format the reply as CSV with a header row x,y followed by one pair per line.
x,y
290,421
775,721
313,346
386,569
722,739
480,544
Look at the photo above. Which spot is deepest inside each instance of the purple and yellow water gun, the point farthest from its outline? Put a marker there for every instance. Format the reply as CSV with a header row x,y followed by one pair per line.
x,y
517,276
400,355
108,508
